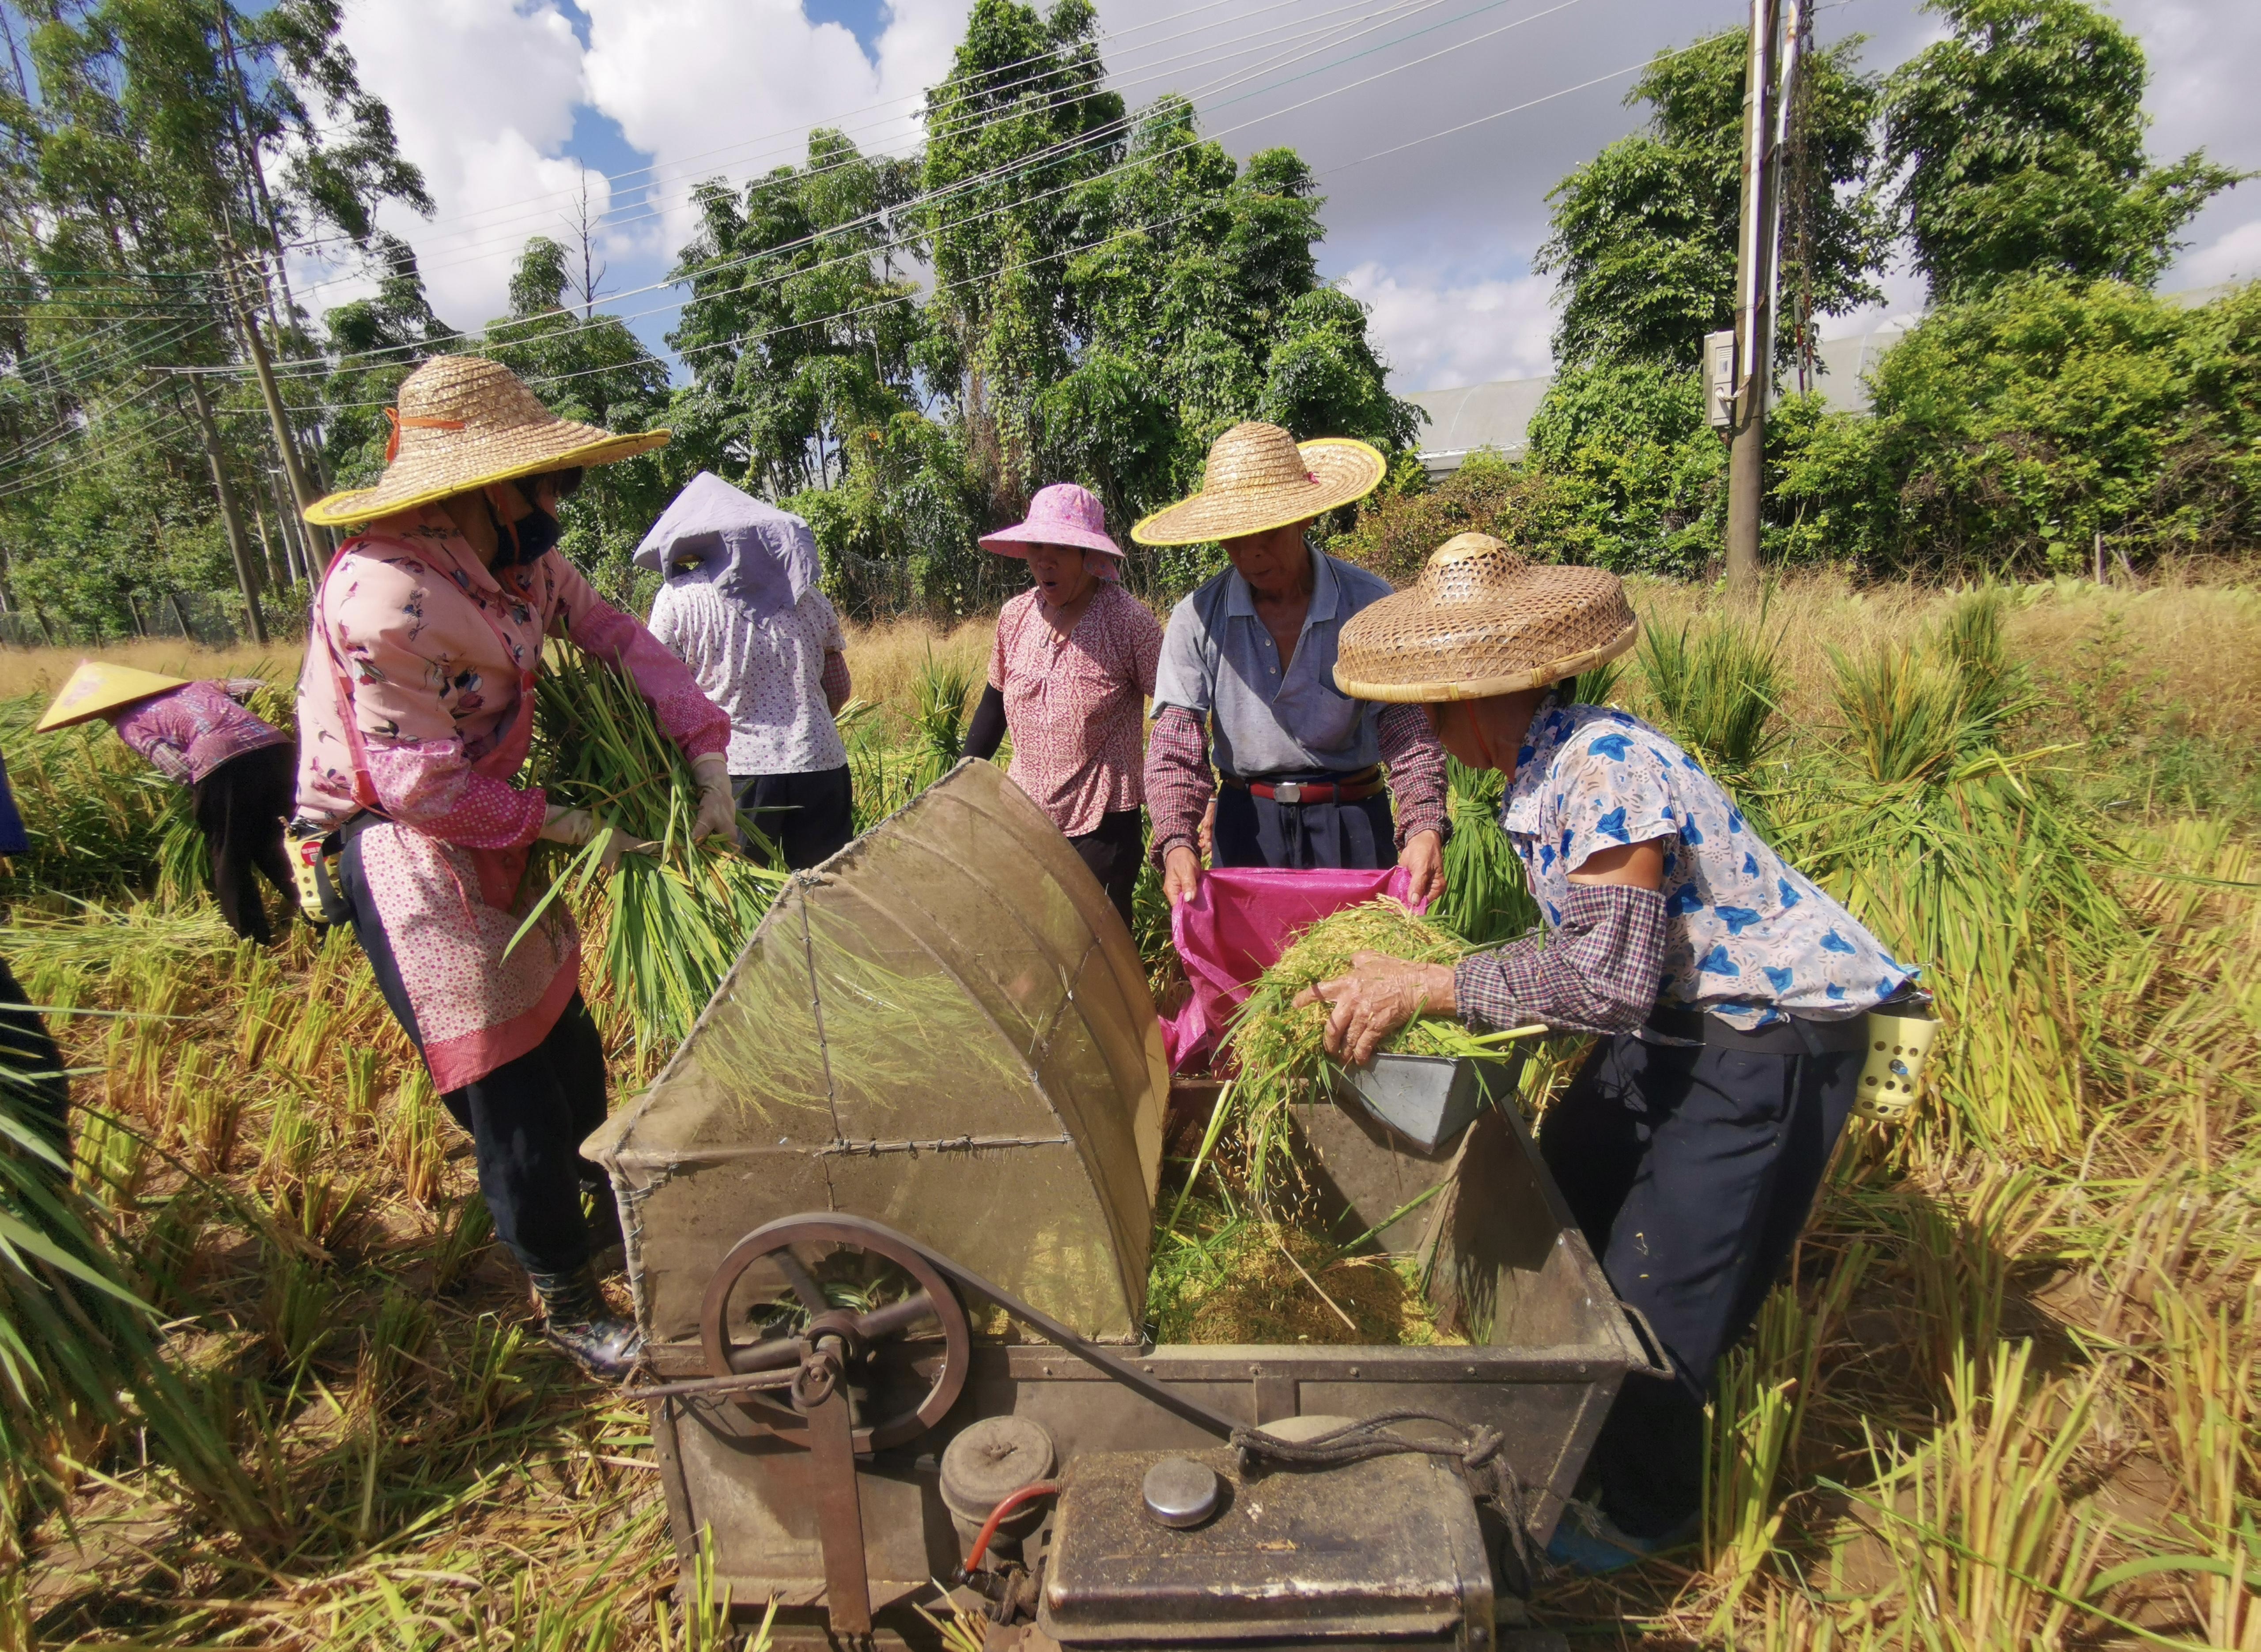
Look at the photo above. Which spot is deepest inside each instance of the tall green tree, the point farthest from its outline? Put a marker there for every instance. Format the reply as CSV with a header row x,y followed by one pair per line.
x,y
1023,118
376,342
1644,235
803,320
596,370
1198,304
2019,140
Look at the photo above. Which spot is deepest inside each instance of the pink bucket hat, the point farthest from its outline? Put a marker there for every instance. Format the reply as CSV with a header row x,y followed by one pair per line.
x,y
1062,514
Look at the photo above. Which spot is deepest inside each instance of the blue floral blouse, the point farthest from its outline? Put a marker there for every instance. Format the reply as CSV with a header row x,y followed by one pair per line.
x,y
1749,938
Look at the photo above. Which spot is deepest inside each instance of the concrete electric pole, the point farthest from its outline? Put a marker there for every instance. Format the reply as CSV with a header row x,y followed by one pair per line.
x,y
1766,106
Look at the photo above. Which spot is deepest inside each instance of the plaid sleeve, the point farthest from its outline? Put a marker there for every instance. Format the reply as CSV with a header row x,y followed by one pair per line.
x,y
1597,973
1417,771
1179,782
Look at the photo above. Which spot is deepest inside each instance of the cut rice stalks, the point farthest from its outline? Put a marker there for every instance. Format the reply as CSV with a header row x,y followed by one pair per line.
x,y
676,919
1279,1052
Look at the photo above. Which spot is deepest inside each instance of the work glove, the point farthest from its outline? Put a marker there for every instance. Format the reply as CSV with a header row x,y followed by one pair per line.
x,y
575,827
718,804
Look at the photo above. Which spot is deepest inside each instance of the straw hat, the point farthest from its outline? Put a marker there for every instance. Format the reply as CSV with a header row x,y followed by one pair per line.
x,y
464,421
95,687
1259,478
1479,621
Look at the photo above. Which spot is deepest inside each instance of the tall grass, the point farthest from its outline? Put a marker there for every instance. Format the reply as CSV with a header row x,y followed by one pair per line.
x,y
1720,686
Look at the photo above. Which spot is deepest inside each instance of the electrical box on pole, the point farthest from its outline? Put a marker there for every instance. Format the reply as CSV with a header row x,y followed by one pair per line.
x,y
1720,379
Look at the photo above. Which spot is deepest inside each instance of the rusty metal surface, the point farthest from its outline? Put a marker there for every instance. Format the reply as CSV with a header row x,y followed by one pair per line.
x,y
839,1514
1390,1547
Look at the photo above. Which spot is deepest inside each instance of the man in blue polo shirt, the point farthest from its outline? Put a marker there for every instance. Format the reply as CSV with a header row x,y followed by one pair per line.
x,y
1246,675
1729,991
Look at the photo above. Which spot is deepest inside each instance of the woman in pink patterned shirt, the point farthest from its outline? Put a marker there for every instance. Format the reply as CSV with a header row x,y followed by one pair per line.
x,y
415,711
1074,665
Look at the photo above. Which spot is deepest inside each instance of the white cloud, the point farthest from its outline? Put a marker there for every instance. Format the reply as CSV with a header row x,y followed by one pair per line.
x,y
2234,256
483,94
1438,337
741,99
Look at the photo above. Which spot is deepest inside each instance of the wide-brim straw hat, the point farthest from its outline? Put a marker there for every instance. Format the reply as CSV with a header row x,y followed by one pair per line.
x,y
1480,620
461,422
95,687
1259,478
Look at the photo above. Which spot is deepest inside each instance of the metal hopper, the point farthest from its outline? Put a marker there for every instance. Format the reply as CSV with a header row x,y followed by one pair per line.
x,y
944,1027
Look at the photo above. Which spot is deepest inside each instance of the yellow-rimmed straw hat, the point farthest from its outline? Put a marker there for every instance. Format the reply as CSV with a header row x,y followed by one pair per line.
x,y
464,421
95,687
1480,620
1258,478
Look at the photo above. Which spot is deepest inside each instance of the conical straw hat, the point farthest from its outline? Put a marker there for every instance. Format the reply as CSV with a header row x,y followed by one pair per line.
x,y
464,421
1479,621
95,687
1258,477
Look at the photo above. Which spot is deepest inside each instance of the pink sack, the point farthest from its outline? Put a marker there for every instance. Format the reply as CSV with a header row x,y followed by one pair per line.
x,y
1238,926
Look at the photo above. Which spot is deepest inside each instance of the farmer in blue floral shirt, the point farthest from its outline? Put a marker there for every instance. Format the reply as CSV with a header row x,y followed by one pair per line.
x,y
1729,990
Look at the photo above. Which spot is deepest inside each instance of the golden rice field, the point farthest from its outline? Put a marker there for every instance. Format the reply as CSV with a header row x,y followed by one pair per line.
x,y
2007,1398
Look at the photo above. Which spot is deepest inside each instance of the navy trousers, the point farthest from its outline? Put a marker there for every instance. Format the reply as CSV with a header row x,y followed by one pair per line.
x,y
1692,1171
1113,850
1253,830
526,1118
809,816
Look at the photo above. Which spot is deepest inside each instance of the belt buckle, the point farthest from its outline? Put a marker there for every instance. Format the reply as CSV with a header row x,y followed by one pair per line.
x,y
1288,791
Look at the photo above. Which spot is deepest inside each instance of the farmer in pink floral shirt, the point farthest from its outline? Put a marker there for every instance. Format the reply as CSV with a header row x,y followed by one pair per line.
x,y
415,711
1074,665
237,768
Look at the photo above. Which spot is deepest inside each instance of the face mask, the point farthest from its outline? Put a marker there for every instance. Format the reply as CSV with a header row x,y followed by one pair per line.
x,y
522,542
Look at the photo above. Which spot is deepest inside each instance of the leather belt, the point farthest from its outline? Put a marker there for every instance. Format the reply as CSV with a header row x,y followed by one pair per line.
x,y
1355,789
1794,1035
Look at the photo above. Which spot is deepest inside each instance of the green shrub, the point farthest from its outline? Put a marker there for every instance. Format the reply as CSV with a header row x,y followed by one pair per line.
x,y
1641,476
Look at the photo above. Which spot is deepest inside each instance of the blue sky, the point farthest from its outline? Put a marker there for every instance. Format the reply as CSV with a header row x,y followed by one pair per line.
x,y
503,101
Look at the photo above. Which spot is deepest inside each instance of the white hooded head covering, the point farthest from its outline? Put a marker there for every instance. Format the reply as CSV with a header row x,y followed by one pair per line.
x,y
752,553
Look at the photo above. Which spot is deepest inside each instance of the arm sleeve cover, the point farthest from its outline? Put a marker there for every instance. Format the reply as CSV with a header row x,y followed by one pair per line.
x,y
986,732
1597,973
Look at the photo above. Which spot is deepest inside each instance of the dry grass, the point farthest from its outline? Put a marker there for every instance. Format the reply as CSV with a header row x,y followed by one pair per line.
x,y
41,671
2007,1398
885,660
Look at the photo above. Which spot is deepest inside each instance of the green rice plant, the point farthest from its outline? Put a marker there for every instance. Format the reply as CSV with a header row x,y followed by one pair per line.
x,y
391,1350
1996,689
1743,1448
362,1066
294,1137
675,919
1487,899
296,1293
109,1159
412,1143
1906,718
490,1381
1990,1548
211,1112
1278,1051
96,814
462,1237
78,1349
939,722
1719,691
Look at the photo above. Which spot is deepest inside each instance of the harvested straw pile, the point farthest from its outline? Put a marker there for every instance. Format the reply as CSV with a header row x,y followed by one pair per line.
x,y
1224,1278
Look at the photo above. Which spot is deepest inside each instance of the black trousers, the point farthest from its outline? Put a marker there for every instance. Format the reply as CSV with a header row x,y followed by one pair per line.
x,y
1253,830
526,1118
31,1075
241,807
1114,850
1692,1171
809,817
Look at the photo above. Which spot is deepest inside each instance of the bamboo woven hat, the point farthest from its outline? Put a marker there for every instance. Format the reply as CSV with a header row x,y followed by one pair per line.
x,y
1258,477
95,687
464,421
1480,620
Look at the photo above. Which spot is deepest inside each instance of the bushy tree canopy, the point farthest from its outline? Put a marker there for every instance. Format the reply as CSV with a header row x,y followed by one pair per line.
x,y
2019,140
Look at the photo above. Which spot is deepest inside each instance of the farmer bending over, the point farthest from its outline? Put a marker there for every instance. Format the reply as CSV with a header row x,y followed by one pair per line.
x,y
1248,660
416,708
1729,991
237,768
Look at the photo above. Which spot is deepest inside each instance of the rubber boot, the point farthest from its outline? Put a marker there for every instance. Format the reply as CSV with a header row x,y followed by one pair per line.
x,y
579,1320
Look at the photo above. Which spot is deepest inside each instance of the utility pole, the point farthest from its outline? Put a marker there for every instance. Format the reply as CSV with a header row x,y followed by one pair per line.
x,y
301,492
1765,101
239,547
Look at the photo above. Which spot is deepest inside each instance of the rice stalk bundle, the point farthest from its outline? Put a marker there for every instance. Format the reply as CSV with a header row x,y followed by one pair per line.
x,y
938,732
1279,1051
1718,690
677,918
1487,899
